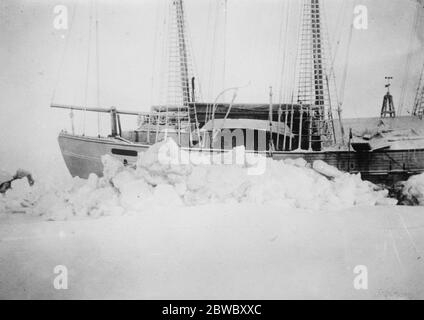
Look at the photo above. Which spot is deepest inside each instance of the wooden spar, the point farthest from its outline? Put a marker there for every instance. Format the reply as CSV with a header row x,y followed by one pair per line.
x,y
113,122
193,96
310,129
271,142
118,121
300,128
148,129
330,111
291,124
157,128
278,130
104,110
285,126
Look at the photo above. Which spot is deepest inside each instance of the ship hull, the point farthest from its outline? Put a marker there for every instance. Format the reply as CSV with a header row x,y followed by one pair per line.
x,y
82,156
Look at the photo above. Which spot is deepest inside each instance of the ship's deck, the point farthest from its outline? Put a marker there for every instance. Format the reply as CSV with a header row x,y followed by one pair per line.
x,y
362,125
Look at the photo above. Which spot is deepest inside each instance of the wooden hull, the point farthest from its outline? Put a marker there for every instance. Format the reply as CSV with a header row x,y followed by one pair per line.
x,y
82,156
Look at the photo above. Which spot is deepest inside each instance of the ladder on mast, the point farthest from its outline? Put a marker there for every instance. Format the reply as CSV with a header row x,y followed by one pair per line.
x,y
418,109
313,87
176,113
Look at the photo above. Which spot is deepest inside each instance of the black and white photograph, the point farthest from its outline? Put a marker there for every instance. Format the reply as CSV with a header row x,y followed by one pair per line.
x,y
231,150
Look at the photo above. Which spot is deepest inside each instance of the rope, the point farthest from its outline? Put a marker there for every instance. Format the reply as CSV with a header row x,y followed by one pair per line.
x,y
283,66
97,67
60,68
346,65
418,94
212,65
284,74
225,44
277,55
88,65
295,75
414,30
164,53
337,36
154,56
62,58
226,115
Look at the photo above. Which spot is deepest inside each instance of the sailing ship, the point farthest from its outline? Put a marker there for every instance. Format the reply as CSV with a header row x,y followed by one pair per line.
x,y
302,128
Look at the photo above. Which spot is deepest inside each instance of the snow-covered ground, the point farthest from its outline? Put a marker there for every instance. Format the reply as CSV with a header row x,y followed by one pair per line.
x,y
178,228
226,251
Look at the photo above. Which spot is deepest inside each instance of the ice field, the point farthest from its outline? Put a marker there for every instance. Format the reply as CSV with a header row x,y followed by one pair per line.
x,y
180,228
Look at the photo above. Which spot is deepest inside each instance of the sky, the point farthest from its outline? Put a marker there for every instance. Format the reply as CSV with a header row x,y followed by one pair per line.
x,y
40,64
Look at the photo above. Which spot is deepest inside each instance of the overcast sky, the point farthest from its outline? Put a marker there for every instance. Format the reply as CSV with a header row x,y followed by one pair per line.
x,y
131,59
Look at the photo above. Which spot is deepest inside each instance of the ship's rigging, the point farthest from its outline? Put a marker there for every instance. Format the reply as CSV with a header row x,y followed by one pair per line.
x,y
313,92
305,106
415,29
301,127
418,108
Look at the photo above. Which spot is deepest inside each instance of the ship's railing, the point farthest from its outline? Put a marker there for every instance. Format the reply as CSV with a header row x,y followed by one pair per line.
x,y
155,125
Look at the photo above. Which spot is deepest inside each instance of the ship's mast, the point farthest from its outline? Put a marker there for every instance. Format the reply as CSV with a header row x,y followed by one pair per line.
x,y
185,81
179,65
317,52
313,87
180,73
418,109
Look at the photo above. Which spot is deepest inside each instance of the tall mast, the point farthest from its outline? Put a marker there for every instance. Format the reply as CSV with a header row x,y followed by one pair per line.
x,y
185,81
418,109
317,52
313,87
179,67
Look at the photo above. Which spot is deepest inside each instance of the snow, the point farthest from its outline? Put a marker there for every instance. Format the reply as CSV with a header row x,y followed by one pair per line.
x,y
165,175
218,251
181,226
413,189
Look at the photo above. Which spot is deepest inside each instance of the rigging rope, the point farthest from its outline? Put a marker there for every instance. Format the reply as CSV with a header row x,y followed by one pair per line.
x,y
283,65
152,84
296,77
212,64
225,45
414,30
204,63
284,75
97,67
346,65
225,117
337,36
61,63
332,56
87,66
62,58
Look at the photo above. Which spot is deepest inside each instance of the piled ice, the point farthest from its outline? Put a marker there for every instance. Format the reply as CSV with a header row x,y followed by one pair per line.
x,y
413,190
170,177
